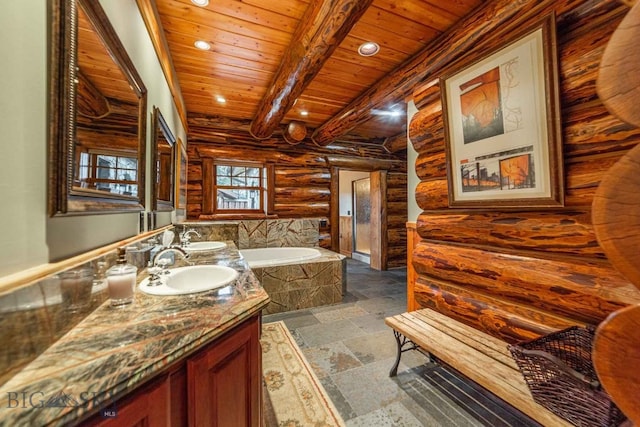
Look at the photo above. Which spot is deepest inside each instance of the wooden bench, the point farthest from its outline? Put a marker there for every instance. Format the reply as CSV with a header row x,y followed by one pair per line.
x,y
480,357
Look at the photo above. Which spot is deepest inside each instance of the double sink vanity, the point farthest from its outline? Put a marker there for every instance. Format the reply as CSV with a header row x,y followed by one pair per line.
x,y
190,356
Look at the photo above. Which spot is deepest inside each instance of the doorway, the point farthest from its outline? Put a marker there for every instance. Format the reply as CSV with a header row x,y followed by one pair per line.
x,y
342,221
346,209
362,220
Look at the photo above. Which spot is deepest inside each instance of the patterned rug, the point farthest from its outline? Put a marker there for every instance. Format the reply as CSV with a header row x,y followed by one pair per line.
x,y
294,397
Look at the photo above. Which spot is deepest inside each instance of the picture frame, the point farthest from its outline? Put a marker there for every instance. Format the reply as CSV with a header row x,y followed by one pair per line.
x,y
503,142
181,174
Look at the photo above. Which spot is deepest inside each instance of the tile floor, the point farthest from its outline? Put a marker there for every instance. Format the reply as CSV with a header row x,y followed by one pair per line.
x,y
351,351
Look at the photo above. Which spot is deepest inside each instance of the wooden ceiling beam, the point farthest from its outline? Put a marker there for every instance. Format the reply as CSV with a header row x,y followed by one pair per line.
x,y
322,28
490,18
396,143
208,123
91,102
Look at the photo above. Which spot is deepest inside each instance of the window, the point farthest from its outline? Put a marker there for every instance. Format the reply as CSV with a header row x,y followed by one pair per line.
x,y
108,172
239,188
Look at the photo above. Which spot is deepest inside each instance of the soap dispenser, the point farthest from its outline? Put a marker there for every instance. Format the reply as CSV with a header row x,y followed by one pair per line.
x,y
121,279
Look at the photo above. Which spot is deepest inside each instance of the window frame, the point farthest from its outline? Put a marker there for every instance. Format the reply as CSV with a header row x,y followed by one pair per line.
x,y
262,187
92,169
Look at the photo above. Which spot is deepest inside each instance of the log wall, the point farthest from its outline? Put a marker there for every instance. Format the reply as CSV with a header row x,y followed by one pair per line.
x,y
519,274
396,220
302,181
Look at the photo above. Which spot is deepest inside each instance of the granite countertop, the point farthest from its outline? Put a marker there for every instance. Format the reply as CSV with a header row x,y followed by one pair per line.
x,y
114,350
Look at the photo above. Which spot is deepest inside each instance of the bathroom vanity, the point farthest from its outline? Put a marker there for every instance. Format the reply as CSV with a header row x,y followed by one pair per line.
x,y
163,360
219,385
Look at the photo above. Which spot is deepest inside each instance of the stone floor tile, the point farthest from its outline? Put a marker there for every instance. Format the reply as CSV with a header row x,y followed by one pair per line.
x,y
373,347
284,315
339,313
300,321
330,307
370,323
341,404
368,387
324,333
331,358
401,416
298,339
412,359
380,291
395,308
377,305
377,418
351,297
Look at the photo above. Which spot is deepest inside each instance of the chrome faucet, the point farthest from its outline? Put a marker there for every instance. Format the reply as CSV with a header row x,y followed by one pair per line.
x,y
164,264
185,237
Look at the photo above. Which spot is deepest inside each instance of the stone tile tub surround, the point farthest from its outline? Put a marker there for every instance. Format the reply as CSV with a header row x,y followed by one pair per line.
x,y
273,233
304,284
219,231
113,350
262,233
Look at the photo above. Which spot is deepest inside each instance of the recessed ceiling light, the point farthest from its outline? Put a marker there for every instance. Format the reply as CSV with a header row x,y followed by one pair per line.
x,y
304,113
368,49
202,45
201,3
220,99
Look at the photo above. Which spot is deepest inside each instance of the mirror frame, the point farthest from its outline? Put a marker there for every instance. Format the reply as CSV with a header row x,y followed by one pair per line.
x,y
63,198
160,129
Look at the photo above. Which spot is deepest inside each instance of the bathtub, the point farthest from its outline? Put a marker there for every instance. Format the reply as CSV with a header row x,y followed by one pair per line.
x,y
298,277
263,257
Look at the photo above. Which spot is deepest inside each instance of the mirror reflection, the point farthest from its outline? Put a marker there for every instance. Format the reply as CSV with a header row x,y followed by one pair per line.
x,y
99,146
164,161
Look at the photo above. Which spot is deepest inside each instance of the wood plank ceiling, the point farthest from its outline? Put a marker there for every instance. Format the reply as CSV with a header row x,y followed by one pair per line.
x,y
250,38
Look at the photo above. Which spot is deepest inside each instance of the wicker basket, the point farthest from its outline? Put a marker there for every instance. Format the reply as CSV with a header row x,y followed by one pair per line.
x,y
560,374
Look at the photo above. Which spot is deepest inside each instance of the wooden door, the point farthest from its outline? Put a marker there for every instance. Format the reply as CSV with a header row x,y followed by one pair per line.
x,y
346,235
224,381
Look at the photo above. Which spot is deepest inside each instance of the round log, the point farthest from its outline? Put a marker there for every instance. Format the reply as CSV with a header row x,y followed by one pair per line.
x,y
616,359
295,132
426,129
616,215
618,83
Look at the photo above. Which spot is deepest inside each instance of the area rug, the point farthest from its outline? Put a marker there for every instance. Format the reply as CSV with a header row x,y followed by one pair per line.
x,y
294,394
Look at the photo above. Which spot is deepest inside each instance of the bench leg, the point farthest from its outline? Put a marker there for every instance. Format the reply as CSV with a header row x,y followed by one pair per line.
x,y
401,341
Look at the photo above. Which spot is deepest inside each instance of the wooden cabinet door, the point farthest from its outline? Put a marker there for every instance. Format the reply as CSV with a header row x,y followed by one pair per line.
x,y
148,407
224,380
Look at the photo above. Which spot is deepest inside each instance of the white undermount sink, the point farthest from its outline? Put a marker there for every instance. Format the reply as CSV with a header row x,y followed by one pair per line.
x,y
192,279
204,246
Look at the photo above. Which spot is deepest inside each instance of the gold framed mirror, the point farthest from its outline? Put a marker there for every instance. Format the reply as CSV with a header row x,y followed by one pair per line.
x,y
163,161
98,115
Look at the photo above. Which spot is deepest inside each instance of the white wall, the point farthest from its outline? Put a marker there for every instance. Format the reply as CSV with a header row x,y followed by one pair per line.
x,y
346,200
412,177
29,238
128,23
23,120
